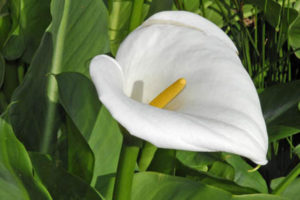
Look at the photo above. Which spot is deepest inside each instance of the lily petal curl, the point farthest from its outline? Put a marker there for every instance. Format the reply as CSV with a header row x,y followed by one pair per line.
x,y
219,109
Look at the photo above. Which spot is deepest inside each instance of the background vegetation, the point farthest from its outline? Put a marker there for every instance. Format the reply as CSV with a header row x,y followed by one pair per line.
x,y
58,142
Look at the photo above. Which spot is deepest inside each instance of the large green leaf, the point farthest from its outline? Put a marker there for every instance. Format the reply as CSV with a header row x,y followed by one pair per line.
x,y
59,182
211,170
79,99
77,33
16,172
244,178
149,186
80,156
31,18
280,109
258,197
294,35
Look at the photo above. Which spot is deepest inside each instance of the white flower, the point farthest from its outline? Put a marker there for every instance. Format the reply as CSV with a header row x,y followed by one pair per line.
x,y
219,109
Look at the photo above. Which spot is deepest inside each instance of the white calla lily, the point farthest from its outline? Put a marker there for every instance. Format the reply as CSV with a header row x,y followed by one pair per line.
x,y
219,109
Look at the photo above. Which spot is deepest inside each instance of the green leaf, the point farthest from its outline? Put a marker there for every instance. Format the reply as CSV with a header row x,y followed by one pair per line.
x,y
297,5
277,132
292,191
158,6
297,150
280,108
149,185
59,182
5,23
16,177
210,170
215,12
10,52
258,197
197,160
275,182
294,35
31,18
222,170
165,156
105,185
191,5
77,33
227,185
80,100
34,19
2,70
80,156
244,178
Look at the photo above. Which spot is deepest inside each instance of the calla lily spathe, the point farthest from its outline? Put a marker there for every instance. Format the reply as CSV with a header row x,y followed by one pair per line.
x,y
219,109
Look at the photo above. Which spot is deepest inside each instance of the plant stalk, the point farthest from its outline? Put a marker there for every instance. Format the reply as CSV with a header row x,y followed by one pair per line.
x,y
126,166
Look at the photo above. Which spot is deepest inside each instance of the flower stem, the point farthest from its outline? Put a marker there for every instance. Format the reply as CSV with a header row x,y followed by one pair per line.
x,y
147,154
131,146
126,166
290,178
